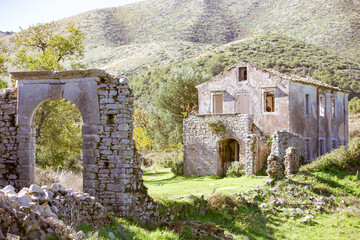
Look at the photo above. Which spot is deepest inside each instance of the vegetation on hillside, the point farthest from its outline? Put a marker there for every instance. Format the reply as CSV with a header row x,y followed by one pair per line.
x,y
4,57
172,95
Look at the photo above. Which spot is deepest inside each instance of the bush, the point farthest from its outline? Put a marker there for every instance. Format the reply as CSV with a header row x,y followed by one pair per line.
x,y
235,170
340,159
178,169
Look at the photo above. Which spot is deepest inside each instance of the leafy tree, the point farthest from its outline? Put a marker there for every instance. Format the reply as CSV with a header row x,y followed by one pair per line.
x,y
174,100
142,139
4,57
58,123
40,48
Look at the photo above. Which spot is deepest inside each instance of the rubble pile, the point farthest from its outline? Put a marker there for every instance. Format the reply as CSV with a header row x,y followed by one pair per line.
x,y
37,212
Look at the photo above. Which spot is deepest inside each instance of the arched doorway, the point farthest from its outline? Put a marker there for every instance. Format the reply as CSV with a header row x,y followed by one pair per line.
x,y
228,152
56,126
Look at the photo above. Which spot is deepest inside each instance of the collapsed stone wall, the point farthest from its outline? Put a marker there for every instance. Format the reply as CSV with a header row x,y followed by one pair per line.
x,y
287,152
201,143
8,132
111,164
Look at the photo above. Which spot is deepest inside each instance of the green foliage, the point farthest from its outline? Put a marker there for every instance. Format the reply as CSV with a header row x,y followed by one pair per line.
x,y
354,105
168,104
178,168
4,57
340,159
235,170
216,126
58,135
40,48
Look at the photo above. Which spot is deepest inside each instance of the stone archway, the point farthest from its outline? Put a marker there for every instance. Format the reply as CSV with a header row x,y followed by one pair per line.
x,y
228,152
111,165
50,86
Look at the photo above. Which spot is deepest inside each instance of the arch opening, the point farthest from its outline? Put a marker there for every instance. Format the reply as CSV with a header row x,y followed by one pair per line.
x,y
56,134
228,152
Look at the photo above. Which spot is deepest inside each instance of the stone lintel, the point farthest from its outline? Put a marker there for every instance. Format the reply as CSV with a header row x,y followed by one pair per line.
x,y
49,75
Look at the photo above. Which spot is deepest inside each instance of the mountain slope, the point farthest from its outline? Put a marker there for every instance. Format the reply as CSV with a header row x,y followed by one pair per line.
x,y
133,38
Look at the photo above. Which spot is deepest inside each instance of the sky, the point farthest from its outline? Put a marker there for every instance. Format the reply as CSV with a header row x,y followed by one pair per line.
x,y
24,13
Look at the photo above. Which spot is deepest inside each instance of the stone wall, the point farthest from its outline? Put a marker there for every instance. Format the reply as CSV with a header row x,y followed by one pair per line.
x,y
111,165
282,140
8,147
201,143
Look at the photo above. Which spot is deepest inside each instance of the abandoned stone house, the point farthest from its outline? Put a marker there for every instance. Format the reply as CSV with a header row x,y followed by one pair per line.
x,y
245,108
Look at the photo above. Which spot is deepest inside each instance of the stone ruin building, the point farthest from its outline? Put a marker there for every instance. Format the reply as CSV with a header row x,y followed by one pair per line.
x,y
111,165
245,108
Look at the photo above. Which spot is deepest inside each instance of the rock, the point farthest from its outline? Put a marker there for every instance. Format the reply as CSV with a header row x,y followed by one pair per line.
x,y
111,235
306,219
8,189
36,189
55,187
23,201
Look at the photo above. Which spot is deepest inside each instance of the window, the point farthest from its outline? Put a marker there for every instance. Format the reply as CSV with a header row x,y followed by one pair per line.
x,y
308,148
269,101
307,104
322,106
334,144
243,103
321,146
242,74
333,108
217,103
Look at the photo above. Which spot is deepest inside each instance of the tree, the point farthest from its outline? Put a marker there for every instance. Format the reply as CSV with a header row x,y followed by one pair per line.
x,y
4,57
58,123
174,100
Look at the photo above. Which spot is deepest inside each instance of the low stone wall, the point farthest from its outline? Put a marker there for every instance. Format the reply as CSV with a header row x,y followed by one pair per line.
x,y
37,212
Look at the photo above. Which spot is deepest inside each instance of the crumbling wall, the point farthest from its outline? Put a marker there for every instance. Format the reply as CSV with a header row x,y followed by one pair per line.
x,y
292,160
8,146
201,143
282,140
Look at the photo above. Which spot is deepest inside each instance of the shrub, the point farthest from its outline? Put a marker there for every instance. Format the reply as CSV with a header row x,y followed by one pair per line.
x,y
235,170
339,159
178,169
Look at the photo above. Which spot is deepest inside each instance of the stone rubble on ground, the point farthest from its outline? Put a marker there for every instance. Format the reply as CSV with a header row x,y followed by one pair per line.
x,y
37,212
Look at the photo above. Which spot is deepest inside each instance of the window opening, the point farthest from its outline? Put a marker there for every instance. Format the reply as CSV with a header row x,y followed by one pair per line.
x,y
308,148
322,106
307,104
270,101
217,103
242,74
334,144
333,108
321,146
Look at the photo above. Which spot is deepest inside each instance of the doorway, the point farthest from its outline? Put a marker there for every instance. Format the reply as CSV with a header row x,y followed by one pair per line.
x,y
228,152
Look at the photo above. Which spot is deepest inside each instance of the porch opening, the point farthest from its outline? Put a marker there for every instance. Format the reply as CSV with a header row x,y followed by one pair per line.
x,y
228,152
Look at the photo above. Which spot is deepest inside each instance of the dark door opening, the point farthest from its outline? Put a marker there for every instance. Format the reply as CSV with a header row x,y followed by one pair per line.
x,y
228,152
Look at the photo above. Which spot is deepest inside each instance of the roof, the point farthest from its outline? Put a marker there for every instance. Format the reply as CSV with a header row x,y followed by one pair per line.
x,y
290,77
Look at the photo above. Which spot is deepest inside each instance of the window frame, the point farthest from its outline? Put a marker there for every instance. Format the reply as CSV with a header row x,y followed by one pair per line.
x,y
236,101
333,108
332,143
324,146
267,90
213,94
322,106
307,105
242,74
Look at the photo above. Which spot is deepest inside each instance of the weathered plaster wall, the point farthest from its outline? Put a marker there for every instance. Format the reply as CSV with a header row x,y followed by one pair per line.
x,y
259,80
201,145
313,126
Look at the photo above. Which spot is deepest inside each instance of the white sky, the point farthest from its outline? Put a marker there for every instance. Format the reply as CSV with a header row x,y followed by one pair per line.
x,y
24,13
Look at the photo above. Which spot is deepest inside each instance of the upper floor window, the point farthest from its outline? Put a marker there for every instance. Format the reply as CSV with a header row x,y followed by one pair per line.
x,y
242,73
307,104
243,103
333,108
217,101
269,97
322,106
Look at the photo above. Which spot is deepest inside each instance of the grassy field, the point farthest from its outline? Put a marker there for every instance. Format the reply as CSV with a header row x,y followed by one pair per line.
x,y
161,183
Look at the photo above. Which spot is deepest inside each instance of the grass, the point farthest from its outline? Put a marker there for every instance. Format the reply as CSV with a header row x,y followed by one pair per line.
x,y
161,183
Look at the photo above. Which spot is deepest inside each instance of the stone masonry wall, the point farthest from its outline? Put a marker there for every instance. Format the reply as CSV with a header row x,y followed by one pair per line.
x,y
201,144
8,147
282,140
111,164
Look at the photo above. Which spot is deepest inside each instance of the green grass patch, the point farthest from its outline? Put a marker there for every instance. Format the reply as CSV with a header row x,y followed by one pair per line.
x,y
162,183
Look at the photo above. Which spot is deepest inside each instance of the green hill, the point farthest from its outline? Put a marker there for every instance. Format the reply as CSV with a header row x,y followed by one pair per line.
x,y
134,38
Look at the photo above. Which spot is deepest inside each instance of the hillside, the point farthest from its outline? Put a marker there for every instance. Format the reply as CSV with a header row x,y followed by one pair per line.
x,y
134,38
